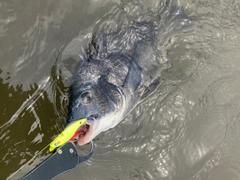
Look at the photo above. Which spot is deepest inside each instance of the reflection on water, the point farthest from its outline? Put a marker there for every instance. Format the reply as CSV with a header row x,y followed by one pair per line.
x,y
187,130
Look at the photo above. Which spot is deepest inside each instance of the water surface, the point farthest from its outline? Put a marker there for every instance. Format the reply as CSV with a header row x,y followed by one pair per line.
x,y
188,130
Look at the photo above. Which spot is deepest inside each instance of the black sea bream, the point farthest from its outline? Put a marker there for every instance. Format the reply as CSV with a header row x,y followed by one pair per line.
x,y
120,70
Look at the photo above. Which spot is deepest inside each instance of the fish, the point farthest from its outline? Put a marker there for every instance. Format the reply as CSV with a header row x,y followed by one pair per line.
x,y
120,70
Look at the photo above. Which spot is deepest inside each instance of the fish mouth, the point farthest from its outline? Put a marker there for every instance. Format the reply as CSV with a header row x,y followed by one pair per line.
x,y
84,133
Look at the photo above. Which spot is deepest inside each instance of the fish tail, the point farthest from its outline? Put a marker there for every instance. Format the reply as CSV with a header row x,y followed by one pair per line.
x,y
171,20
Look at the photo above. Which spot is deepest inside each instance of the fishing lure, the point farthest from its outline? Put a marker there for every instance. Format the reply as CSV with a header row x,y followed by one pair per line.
x,y
67,134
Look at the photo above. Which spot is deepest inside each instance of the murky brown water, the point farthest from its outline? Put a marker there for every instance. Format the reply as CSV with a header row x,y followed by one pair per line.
x,y
188,130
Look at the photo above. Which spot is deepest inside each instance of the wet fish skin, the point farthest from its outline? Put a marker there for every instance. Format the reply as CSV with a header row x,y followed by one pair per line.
x,y
121,69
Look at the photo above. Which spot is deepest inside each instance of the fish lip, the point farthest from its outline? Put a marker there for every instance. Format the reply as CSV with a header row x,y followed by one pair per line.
x,y
86,128
92,117
89,134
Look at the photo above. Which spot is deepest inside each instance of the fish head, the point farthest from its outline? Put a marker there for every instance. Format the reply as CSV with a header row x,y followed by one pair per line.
x,y
102,103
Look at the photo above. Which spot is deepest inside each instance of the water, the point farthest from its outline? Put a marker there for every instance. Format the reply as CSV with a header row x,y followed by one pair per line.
x,y
188,130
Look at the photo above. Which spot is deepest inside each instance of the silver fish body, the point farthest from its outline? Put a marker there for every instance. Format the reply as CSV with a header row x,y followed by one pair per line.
x,y
120,70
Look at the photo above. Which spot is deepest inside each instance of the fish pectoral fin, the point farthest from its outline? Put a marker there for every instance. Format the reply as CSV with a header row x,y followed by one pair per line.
x,y
151,88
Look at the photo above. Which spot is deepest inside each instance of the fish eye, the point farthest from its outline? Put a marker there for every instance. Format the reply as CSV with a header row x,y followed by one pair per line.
x,y
87,97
